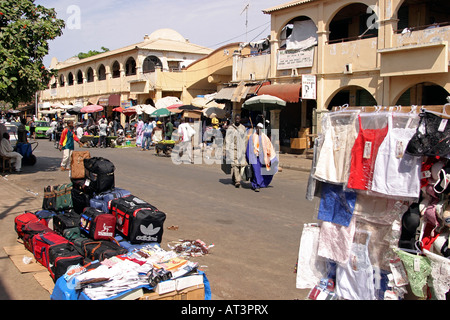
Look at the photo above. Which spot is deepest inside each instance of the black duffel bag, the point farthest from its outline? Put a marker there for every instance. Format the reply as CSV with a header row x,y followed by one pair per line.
x,y
99,174
102,249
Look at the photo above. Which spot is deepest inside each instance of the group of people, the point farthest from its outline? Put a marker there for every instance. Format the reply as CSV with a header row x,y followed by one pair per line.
x,y
150,132
252,152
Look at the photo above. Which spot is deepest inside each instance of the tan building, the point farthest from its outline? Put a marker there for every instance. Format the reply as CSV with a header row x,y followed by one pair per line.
x,y
365,53
164,64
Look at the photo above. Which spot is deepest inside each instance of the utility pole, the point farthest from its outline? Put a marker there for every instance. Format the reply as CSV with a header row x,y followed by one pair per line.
x,y
246,19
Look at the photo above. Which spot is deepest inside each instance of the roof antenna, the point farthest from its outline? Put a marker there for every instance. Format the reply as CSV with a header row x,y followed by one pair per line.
x,y
246,19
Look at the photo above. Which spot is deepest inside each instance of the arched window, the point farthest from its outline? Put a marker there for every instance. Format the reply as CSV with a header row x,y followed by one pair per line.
x,y
101,73
362,98
70,79
79,77
151,63
427,94
90,75
353,22
417,15
116,69
61,80
130,67
298,33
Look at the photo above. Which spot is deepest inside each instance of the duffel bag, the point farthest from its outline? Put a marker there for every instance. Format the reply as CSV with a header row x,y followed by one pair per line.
x,y
77,170
46,215
80,200
42,243
30,230
100,201
64,196
23,219
97,224
49,201
99,173
137,220
102,249
65,221
73,233
61,256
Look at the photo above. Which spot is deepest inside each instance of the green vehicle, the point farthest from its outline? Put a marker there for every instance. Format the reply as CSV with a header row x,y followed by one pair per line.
x,y
41,128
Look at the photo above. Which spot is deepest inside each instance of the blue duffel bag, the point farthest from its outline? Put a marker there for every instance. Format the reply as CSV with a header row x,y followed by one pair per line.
x,y
100,201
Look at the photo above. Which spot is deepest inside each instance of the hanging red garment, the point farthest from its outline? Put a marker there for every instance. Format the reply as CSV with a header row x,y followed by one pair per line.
x,y
364,153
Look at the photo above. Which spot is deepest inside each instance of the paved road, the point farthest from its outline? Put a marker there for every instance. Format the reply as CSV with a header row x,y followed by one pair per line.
x,y
256,235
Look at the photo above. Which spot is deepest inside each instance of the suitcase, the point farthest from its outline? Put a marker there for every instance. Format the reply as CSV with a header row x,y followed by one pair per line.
x,y
97,224
30,230
101,200
80,200
23,219
42,243
65,221
137,220
99,173
101,250
77,170
61,256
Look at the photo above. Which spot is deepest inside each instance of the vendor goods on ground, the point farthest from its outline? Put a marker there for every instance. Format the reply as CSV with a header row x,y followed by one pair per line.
x,y
101,242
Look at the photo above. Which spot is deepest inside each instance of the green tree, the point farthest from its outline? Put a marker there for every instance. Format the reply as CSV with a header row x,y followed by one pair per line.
x,y
91,53
25,29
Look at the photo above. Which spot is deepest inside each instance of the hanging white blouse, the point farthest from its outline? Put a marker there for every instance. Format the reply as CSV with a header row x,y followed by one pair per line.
x,y
397,173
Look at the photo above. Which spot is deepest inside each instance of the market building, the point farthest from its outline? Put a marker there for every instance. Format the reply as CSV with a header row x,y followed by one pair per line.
x,y
164,64
365,53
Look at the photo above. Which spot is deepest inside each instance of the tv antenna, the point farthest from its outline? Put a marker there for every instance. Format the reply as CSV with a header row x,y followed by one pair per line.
x,y
246,19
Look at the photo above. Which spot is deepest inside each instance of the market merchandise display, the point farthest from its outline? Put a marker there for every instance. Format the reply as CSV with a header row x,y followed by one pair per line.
x,y
381,182
101,242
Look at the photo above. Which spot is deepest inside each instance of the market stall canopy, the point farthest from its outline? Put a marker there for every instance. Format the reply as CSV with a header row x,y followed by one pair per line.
x,y
167,102
163,112
264,103
189,107
91,108
144,108
174,108
290,92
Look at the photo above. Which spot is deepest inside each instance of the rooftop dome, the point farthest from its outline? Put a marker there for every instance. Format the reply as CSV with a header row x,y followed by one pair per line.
x,y
166,34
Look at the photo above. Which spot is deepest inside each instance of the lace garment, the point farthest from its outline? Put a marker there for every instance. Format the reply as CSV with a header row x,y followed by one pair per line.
x,y
440,274
335,241
310,267
418,269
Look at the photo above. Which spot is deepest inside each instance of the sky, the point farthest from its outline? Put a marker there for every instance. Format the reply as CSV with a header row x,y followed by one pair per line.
x,y
92,24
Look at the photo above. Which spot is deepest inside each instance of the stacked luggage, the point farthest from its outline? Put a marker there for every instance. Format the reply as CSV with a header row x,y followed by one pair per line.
x,y
79,220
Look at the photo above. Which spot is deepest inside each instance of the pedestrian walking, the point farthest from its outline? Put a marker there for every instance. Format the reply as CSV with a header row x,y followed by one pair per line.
x,y
158,133
102,128
22,131
6,150
235,149
32,126
169,129
185,133
147,135
67,144
262,157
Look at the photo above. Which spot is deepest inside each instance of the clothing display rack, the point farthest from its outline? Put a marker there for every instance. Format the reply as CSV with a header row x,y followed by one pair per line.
x,y
380,178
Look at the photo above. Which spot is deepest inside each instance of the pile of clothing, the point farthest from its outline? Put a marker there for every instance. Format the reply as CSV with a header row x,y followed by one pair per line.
x,y
381,181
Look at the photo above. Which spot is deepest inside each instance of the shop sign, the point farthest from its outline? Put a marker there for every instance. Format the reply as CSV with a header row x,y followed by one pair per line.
x,y
125,104
103,101
309,86
293,59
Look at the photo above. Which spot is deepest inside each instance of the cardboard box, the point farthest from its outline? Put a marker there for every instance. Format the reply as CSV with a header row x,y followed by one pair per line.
x,y
189,281
191,293
303,133
298,143
166,286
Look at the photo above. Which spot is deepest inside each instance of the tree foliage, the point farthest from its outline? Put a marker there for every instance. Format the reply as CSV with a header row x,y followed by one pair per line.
x,y
91,53
25,30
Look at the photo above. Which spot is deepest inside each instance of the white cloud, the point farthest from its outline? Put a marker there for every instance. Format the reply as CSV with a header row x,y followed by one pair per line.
x,y
117,23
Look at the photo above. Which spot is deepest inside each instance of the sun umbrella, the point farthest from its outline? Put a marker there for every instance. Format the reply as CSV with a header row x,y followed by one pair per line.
x,y
189,108
167,102
212,112
264,102
91,108
144,108
163,112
